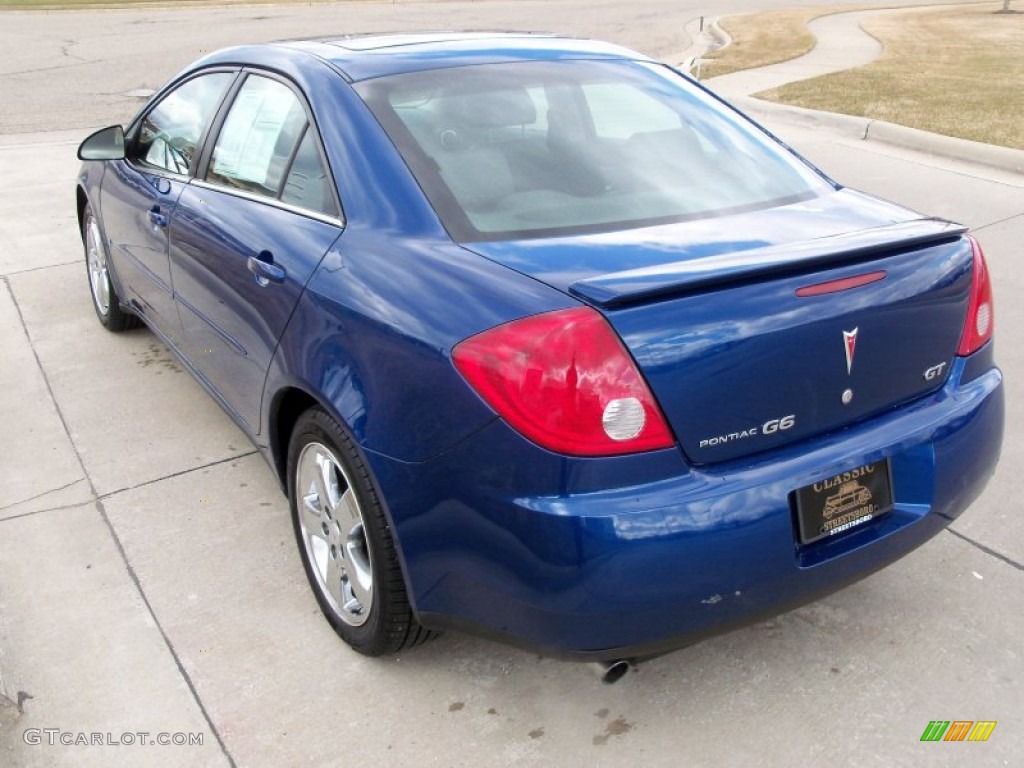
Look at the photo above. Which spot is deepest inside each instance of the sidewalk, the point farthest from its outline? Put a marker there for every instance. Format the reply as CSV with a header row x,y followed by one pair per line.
x,y
841,44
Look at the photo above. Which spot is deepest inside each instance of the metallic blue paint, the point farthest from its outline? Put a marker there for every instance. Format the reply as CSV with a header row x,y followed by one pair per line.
x,y
715,271
231,321
790,351
624,557
374,331
369,57
593,260
587,557
138,244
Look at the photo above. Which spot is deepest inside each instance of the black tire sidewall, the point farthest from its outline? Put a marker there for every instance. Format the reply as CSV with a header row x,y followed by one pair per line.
x,y
373,637
115,319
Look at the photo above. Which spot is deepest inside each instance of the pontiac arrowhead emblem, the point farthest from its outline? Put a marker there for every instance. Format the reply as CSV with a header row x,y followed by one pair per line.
x,y
850,340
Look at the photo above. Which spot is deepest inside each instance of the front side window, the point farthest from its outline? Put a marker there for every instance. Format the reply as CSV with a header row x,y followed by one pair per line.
x,y
534,149
169,133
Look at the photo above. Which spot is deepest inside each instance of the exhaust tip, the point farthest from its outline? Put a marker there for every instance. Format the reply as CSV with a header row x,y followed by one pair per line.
x,y
611,672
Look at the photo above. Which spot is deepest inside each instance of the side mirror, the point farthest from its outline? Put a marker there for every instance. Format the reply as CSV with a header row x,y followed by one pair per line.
x,y
105,144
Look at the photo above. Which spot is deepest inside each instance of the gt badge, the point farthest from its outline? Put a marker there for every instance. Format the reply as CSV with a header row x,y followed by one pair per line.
x,y
850,340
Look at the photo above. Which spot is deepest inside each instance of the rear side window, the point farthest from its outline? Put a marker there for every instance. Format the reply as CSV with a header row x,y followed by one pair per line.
x,y
267,147
308,185
169,133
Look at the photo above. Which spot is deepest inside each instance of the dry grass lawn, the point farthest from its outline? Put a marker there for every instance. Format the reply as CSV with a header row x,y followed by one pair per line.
x,y
957,71
760,39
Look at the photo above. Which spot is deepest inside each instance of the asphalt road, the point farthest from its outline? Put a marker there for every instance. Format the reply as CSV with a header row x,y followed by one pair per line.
x,y
149,580
65,70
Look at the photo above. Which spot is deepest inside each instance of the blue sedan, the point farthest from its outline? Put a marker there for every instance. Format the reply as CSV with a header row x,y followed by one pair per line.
x,y
542,340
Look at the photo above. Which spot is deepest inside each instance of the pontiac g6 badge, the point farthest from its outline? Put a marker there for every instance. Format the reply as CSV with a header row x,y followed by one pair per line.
x,y
850,340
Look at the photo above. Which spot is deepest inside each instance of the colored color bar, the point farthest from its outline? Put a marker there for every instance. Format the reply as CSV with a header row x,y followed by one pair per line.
x,y
958,730
935,730
982,730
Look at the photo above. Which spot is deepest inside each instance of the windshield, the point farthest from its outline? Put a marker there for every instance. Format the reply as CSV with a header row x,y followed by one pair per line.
x,y
515,150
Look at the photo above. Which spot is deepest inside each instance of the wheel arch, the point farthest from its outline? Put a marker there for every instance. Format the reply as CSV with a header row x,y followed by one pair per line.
x,y
288,404
81,200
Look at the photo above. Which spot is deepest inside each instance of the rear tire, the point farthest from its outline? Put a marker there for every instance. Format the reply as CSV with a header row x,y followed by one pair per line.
x,y
345,541
105,300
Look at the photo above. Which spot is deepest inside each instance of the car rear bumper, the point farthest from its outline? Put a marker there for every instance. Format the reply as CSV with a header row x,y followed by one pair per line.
x,y
628,557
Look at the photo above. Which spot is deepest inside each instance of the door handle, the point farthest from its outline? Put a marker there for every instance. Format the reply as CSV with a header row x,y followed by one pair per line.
x,y
156,218
265,270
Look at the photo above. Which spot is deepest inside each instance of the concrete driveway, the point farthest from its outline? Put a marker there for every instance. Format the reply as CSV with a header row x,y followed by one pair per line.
x,y
149,581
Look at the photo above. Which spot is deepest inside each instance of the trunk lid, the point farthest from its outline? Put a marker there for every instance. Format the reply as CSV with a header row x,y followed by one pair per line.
x,y
758,330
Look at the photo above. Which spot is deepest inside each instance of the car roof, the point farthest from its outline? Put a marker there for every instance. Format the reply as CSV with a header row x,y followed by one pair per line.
x,y
365,57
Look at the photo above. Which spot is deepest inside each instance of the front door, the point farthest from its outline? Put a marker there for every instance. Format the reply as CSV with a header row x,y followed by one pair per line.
x,y
139,195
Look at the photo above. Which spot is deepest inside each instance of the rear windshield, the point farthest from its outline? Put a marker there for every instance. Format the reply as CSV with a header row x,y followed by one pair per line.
x,y
537,149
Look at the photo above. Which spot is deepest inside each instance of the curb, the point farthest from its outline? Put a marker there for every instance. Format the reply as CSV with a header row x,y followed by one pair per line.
x,y
712,37
867,129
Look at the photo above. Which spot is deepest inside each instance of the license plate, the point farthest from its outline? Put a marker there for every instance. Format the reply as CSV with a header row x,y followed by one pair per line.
x,y
843,502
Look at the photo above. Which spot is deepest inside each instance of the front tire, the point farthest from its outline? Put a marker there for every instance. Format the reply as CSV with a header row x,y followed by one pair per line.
x,y
105,300
345,542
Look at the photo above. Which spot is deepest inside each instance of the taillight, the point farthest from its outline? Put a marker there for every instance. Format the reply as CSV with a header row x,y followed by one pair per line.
x,y
564,380
978,324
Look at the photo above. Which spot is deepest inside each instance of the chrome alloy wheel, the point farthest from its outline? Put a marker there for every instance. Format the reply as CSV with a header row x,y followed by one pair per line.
x,y
96,257
334,534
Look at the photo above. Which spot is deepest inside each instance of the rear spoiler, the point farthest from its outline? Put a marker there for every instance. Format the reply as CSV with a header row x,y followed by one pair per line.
x,y
637,285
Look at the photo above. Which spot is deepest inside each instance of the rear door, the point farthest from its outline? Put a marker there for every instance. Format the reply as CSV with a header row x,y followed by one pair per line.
x,y
247,235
